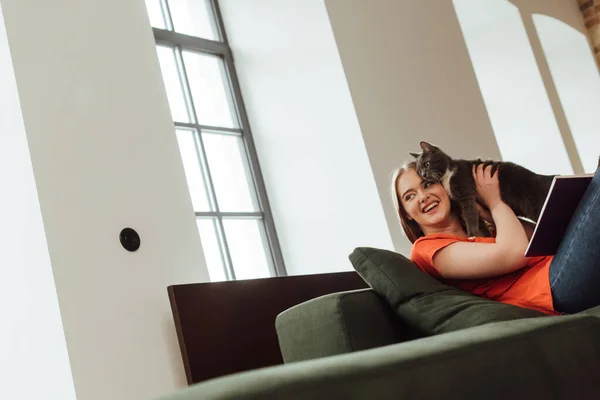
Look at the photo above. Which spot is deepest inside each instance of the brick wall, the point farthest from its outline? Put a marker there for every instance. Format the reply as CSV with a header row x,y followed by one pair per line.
x,y
591,17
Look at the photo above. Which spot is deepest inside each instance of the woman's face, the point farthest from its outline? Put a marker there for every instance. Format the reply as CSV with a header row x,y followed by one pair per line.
x,y
425,202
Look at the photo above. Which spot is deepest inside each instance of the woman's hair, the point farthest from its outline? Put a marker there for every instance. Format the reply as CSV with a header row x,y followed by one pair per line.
x,y
412,230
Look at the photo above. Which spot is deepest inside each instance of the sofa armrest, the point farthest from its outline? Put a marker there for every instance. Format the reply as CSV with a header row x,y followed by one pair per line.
x,y
594,311
335,324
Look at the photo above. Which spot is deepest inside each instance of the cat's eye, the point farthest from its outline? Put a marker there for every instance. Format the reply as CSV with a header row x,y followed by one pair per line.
x,y
427,164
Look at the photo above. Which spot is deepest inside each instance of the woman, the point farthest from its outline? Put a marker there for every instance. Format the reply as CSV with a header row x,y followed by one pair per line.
x,y
496,268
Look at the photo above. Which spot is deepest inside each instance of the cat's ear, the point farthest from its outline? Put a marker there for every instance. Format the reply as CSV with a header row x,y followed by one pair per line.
x,y
415,155
426,146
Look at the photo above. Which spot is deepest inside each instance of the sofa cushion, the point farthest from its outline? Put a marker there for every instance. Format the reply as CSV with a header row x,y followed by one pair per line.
x,y
426,304
337,323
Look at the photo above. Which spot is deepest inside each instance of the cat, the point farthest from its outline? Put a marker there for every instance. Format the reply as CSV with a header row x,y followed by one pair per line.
x,y
521,189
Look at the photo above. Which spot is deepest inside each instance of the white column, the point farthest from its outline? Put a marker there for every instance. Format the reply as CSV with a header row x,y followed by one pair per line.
x,y
34,363
411,79
104,157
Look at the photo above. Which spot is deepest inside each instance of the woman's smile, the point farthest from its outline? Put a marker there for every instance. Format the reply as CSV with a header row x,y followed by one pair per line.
x,y
431,207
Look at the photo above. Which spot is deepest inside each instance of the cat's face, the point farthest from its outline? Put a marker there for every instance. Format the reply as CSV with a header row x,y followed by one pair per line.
x,y
432,163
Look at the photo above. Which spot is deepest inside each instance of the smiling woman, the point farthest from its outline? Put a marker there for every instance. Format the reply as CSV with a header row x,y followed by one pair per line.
x,y
494,268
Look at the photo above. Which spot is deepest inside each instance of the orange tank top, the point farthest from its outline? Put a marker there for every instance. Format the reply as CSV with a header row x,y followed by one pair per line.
x,y
527,287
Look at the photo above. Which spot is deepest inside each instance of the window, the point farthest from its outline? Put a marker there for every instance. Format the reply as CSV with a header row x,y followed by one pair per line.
x,y
228,195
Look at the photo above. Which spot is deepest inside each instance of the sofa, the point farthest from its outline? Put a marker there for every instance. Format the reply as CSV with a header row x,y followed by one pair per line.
x,y
411,337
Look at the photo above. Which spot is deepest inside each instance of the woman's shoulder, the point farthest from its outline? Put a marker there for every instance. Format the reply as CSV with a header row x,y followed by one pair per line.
x,y
425,246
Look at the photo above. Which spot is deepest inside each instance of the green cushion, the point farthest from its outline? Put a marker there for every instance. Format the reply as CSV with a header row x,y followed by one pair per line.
x,y
426,304
336,323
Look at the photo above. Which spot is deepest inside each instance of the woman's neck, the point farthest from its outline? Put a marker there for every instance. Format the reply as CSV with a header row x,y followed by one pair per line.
x,y
452,227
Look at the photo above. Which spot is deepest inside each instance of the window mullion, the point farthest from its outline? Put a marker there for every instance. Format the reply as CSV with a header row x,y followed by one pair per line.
x,y
213,129
225,249
185,84
252,215
219,18
170,38
210,188
166,11
265,239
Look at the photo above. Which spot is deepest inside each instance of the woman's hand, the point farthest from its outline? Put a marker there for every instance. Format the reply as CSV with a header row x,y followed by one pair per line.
x,y
488,186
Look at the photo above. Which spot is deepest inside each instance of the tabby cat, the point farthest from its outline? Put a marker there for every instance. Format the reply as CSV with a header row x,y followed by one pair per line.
x,y
521,189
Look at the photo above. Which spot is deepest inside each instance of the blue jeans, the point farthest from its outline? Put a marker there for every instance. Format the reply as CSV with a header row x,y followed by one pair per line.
x,y
575,269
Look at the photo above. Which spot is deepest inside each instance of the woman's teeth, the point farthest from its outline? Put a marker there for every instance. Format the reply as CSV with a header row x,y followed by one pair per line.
x,y
430,207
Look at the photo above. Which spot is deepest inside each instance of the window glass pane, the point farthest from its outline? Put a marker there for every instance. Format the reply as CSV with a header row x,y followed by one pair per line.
x,y
212,249
210,90
155,14
229,172
193,172
194,18
168,65
247,248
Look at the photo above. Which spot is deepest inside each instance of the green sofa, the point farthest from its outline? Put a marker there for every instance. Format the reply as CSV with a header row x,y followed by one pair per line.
x,y
356,345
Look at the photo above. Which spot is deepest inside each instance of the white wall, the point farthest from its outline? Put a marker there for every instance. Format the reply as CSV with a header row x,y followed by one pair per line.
x,y
411,79
34,363
577,81
312,155
105,157
513,89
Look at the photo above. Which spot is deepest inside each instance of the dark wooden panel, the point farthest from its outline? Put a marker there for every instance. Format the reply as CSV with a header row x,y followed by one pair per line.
x,y
228,327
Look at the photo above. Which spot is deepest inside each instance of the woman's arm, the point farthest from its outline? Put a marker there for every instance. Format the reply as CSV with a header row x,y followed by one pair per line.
x,y
482,260
529,227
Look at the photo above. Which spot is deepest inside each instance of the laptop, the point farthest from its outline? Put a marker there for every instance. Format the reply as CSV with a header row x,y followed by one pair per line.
x,y
560,205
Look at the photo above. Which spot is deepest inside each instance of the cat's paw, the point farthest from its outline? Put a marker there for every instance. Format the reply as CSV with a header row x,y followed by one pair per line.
x,y
473,233
471,238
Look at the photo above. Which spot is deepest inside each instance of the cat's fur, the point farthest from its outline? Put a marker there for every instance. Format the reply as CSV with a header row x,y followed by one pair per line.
x,y
523,190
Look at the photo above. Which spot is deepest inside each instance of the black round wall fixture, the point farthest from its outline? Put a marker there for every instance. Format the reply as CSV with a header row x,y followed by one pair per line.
x,y
129,239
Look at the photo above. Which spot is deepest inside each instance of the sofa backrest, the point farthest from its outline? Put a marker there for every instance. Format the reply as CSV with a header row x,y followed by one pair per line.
x,y
228,327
